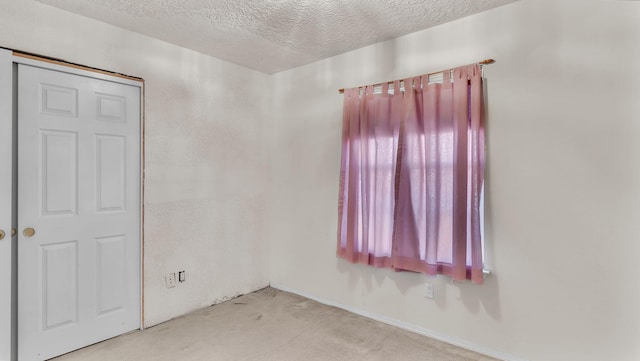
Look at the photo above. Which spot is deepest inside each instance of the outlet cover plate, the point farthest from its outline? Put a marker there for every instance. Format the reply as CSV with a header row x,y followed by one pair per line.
x,y
171,280
428,291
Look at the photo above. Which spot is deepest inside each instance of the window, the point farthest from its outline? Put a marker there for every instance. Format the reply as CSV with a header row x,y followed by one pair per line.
x,y
411,176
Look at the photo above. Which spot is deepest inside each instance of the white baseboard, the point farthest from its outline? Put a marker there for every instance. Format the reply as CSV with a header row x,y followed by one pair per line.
x,y
407,326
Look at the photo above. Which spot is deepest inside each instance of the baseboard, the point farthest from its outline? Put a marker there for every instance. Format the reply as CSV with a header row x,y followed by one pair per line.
x,y
406,326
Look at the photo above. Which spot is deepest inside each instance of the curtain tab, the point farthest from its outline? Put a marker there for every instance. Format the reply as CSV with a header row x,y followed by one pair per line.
x,y
447,76
396,87
352,92
369,90
412,84
473,70
385,89
425,80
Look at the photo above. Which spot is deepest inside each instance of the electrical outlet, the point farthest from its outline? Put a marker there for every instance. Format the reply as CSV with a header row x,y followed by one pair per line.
x,y
181,276
171,280
428,291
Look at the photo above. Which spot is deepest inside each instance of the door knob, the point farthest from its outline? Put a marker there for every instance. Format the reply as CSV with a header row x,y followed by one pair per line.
x,y
29,232
13,232
1,234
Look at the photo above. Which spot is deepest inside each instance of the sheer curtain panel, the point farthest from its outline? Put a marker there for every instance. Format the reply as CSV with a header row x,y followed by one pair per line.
x,y
411,175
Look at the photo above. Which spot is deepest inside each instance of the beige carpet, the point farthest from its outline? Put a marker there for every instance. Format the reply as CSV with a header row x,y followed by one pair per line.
x,y
271,325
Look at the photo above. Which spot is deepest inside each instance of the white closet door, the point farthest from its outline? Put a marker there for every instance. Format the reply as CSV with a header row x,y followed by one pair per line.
x,y
79,211
6,120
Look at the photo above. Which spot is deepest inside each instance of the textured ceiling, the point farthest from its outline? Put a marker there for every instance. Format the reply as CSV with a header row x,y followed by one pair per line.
x,y
275,35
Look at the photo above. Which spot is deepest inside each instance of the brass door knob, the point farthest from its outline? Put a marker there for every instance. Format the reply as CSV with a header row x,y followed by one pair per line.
x,y
29,232
13,232
1,234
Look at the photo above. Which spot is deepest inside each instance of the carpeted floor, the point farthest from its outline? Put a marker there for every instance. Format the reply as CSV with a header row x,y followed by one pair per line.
x,y
271,325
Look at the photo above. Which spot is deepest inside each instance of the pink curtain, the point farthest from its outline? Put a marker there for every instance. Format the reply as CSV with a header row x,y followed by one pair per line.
x,y
411,176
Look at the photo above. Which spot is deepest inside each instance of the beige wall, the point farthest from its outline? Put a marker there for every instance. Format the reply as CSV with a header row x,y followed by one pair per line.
x,y
563,182
206,157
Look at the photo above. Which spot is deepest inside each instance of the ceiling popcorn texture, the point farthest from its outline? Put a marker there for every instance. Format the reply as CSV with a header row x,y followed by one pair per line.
x,y
274,35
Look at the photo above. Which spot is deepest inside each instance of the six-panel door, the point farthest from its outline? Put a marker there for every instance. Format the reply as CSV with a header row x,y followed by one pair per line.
x,y
79,211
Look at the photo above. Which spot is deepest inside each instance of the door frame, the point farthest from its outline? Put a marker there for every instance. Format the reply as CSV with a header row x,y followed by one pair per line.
x,y
8,250
8,274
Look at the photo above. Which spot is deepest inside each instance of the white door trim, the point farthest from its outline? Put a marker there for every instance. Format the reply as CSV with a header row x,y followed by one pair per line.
x,y
77,70
6,203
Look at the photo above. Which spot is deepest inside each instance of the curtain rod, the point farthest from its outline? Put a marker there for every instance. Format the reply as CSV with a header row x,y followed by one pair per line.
x,y
484,62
